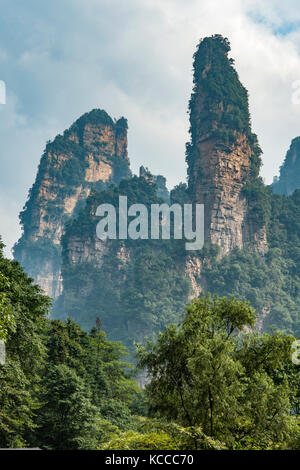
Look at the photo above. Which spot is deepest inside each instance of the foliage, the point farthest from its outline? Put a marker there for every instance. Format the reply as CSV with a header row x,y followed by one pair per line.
x,y
67,413
39,253
212,386
259,202
60,387
20,376
151,434
6,318
179,194
134,294
205,374
223,110
271,283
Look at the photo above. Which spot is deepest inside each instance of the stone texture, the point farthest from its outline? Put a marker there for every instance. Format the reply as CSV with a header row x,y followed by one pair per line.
x,y
100,145
223,174
219,154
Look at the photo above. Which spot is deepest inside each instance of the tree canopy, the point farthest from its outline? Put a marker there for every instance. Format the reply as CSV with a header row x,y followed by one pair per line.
x,y
208,373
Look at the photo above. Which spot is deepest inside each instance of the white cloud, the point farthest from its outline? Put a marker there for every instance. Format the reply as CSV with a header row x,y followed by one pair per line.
x,y
135,59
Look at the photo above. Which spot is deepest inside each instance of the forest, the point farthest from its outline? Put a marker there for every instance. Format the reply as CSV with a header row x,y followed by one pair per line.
x,y
213,383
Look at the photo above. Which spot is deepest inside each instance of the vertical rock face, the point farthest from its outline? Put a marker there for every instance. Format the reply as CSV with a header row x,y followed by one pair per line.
x,y
90,154
223,154
222,178
289,179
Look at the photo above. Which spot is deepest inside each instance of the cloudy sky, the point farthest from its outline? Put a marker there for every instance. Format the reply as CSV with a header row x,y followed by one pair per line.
x,y
61,58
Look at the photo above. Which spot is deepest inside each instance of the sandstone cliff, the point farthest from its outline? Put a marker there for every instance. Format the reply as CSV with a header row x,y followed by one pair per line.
x,y
92,153
223,154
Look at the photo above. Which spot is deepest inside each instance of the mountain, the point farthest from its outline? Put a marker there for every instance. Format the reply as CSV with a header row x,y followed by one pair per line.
x,y
91,154
136,287
223,153
289,179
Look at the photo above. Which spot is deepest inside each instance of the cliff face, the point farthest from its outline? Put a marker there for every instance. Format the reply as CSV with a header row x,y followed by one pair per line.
x,y
223,154
92,153
137,286
289,179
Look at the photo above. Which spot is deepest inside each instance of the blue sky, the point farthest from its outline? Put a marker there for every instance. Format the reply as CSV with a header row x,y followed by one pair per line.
x,y
61,58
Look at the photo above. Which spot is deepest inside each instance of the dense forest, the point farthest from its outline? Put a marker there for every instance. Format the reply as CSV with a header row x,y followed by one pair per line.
x,y
211,385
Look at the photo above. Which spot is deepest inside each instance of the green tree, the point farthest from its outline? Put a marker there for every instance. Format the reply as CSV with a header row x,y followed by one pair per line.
x,y
67,420
22,324
86,391
151,434
204,373
6,317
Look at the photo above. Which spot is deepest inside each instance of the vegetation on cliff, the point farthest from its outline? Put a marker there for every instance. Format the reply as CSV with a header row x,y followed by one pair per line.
x,y
271,283
212,386
137,286
219,108
147,288
64,164
62,185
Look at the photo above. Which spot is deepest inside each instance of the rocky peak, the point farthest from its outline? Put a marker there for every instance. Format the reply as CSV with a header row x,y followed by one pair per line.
x,y
223,154
90,154
97,132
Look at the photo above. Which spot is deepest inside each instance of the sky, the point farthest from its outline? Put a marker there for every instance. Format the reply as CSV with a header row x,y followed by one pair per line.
x,y
133,58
